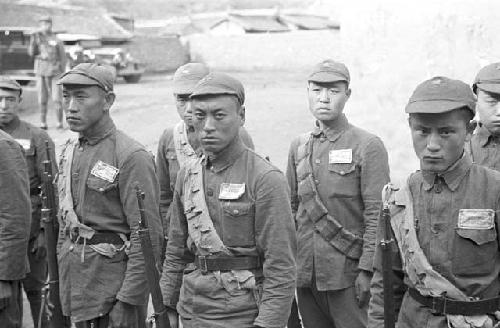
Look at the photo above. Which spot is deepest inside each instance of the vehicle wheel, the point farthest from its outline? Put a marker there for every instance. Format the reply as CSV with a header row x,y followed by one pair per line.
x,y
132,78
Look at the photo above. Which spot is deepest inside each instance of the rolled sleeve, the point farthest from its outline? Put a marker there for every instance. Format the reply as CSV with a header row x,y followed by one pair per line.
x,y
276,240
374,175
139,169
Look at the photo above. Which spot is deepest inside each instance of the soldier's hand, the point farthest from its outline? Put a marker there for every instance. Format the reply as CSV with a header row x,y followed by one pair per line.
x,y
39,247
362,288
123,315
5,293
173,317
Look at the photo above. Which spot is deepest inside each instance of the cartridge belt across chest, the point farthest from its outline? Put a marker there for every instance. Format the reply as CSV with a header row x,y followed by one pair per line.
x,y
206,264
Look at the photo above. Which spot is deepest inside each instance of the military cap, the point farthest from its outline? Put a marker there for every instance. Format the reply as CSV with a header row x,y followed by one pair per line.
x,y
488,79
219,84
89,74
187,76
329,71
440,95
10,84
45,18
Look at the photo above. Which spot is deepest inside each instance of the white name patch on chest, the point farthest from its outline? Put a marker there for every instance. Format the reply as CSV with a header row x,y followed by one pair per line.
x,y
340,156
104,171
482,219
231,191
25,143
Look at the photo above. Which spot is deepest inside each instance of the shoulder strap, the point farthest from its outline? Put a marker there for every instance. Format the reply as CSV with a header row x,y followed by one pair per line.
x,y
418,269
183,149
329,228
200,226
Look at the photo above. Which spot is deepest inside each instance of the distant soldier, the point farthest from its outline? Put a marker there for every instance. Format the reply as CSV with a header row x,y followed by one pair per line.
x,y
180,144
50,62
485,143
15,216
33,141
101,266
336,173
444,219
230,259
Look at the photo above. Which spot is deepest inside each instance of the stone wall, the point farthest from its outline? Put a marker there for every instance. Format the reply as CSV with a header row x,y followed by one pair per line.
x,y
159,53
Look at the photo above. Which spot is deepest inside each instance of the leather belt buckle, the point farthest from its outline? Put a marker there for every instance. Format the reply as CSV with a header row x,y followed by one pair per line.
x,y
202,262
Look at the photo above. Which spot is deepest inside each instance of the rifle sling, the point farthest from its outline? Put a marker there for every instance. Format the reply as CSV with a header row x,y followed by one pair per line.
x,y
325,224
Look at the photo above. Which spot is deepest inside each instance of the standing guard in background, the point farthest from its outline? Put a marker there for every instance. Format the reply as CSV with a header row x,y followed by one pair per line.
x,y
180,144
33,141
50,63
230,258
101,266
336,174
444,220
485,143
15,217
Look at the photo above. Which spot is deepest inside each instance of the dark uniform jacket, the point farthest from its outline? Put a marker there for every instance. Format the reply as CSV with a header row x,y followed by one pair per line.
x,y
468,258
352,195
15,214
259,223
48,51
168,167
485,148
89,287
33,139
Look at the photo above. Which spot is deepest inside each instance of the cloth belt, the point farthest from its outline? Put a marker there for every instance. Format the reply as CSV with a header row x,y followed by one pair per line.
x,y
443,305
100,238
206,264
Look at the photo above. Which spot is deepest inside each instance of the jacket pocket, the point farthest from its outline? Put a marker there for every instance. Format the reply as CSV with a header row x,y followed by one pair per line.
x,y
238,224
475,251
100,185
345,179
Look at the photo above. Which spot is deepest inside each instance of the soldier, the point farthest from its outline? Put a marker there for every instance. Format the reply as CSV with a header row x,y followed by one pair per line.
x,y
101,267
33,141
485,143
179,144
15,216
50,62
444,219
335,173
231,240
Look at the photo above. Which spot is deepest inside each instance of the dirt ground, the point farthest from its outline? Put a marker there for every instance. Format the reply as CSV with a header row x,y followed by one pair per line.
x,y
276,111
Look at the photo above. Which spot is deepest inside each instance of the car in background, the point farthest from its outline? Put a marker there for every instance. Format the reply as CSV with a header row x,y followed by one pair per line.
x,y
87,48
15,60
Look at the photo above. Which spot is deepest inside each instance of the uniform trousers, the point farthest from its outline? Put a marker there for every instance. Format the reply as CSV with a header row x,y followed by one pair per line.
x,y
11,314
47,87
330,309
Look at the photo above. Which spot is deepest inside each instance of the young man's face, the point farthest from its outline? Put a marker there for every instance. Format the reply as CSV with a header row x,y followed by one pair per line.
x,y
217,121
9,105
488,107
438,139
85,106
327,100
182,103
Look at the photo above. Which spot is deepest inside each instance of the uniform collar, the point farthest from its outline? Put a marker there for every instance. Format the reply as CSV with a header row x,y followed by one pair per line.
x,y
12,125
484,136
101,134
333,132
226,157
452,177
